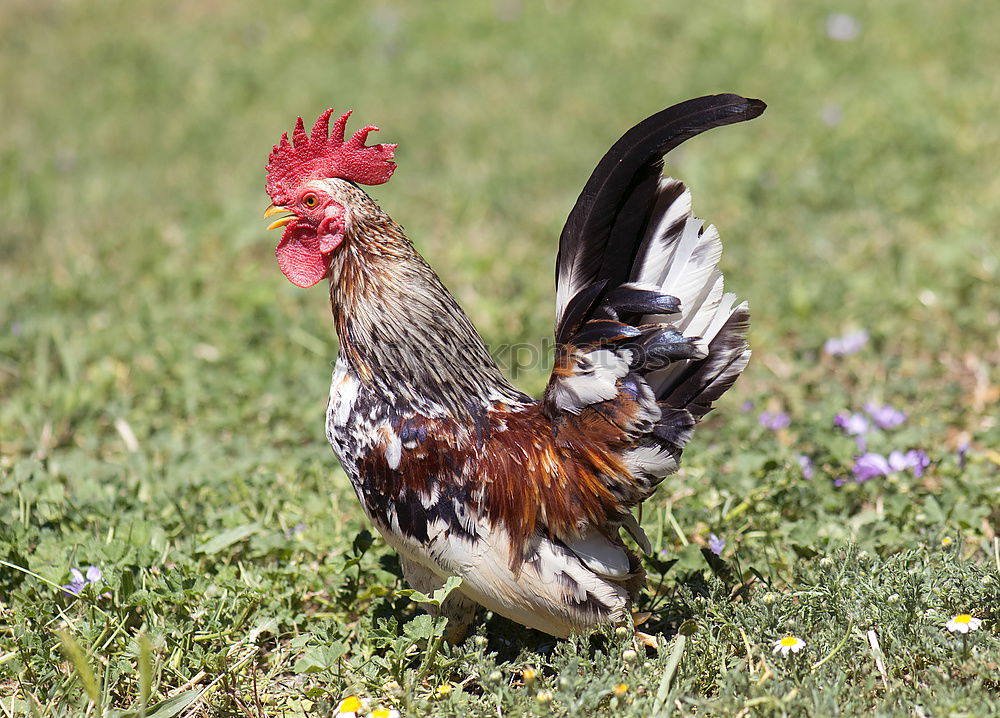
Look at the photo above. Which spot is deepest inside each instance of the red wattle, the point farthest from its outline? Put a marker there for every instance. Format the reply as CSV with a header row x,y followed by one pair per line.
x,y
331,232
300,257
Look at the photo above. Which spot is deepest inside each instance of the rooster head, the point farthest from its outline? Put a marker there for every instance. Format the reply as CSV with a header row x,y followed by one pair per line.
x,y
304,178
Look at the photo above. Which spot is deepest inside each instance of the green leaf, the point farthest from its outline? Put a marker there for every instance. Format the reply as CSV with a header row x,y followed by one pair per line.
x,y
362,542
688,628
804,551
320,658
421,626
438,597
74,651
164,709
228,538
145,672
668,672
933,511
172,706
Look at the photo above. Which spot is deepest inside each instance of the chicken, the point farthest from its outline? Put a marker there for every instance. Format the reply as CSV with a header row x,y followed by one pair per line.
x,y
463,474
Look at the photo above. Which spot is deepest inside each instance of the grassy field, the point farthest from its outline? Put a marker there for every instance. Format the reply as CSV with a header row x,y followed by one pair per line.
x,y
162,386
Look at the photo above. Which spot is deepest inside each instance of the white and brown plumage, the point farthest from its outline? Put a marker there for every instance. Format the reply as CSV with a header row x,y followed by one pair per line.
x,y
462,473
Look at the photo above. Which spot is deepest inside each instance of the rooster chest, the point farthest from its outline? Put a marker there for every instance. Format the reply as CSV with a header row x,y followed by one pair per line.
x,y
411,485
353,418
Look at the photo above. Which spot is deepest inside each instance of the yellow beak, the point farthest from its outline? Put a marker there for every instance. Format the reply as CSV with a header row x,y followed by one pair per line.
x,y
277,209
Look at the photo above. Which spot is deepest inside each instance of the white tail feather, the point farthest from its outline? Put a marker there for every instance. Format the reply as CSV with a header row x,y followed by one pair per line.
x,y
681,260
660,243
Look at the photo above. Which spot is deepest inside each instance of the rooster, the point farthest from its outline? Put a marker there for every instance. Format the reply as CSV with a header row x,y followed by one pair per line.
x,y
463,474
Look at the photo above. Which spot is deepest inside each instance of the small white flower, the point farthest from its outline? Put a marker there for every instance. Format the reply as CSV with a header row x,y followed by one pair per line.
x,y
789,644
843,27
349,707
963,623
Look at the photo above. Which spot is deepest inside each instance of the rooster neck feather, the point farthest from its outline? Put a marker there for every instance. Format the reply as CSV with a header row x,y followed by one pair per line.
x,y
401,331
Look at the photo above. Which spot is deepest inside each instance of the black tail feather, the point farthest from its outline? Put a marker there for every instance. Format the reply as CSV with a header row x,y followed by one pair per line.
x,y
705,381
604,230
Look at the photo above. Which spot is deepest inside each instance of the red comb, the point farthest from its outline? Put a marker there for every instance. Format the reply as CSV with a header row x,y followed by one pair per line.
x,y
309,157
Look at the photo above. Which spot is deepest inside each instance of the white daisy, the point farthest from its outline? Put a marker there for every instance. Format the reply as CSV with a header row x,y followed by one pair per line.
x,y
963,623
350,707
789,644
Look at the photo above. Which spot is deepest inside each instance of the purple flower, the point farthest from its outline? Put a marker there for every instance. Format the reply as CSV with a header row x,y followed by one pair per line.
x,y
897,461
868,466
746,406
74,587
852,424
716,544
885,417
855,425
806,465
917,460
963,449
774,420
848,344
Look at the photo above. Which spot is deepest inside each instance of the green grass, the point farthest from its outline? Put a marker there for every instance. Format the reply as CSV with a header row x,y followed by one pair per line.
x,y
162,386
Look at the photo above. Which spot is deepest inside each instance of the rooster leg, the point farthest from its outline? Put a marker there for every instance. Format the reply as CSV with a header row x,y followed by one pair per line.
x,y
457,608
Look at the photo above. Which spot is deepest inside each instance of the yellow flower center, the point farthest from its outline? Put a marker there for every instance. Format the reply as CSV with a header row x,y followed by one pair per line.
x,y
962,618
380,713
789,641
444,689
351,704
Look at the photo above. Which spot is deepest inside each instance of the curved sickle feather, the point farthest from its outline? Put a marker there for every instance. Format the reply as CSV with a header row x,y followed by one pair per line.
x,y
599,240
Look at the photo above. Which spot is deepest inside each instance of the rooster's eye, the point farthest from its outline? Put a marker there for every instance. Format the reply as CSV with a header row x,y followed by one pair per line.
x,y
309,200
